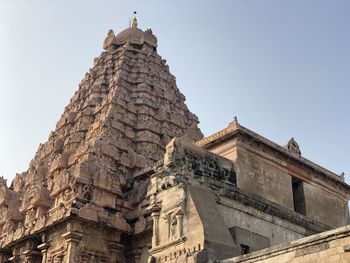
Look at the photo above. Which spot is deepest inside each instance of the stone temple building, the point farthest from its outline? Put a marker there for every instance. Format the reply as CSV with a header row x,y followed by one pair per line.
x,y
126,176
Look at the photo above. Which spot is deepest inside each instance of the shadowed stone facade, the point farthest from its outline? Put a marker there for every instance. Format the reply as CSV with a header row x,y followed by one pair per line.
x,y
126,176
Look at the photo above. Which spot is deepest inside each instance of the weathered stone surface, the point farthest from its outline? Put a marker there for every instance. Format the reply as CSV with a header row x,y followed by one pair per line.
x,y
110,131
273,172
121,180
327,247
204,187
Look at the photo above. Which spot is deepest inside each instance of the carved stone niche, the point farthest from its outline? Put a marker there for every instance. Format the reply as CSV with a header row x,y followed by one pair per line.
x,y
167,211
174,223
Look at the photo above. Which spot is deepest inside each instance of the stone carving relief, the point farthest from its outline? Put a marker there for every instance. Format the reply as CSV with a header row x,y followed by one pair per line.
x,y
60,182
87,192
107,134
173,219
56,256
168,219
293,147
36,196
159,183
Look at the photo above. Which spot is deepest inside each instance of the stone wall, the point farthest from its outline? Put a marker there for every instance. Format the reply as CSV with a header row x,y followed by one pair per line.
x,y
321,204
330,246
262,177
199,213
269,170
186,219
257,173
112,185
276,230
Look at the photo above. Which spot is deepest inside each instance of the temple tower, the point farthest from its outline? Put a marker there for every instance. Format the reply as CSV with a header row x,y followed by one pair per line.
x,y
70,205
127,177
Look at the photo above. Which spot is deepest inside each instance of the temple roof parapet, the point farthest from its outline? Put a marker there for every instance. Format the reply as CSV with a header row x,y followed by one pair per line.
x,y
291,150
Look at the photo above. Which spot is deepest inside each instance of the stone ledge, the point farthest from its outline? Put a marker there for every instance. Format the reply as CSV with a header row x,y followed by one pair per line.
x,y
273,209
163,246
308,244
235,128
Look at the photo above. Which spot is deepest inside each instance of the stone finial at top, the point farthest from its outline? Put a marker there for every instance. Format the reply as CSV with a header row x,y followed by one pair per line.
x,y
133,22
293,147
342,176
234,121
132,35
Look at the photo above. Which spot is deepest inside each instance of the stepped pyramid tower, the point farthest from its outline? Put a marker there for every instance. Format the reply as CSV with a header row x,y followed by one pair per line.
x,y
127,177
126,110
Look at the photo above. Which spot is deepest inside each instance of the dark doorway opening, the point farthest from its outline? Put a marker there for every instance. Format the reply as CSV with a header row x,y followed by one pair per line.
x,y
244,249
298,196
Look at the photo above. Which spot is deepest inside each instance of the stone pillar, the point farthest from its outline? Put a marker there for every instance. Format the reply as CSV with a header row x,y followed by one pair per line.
x,y
154,209
155,237
72,238
115,251
43,248
179,224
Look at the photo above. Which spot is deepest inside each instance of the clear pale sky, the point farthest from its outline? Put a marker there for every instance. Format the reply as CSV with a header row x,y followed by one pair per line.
x,y
283,67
